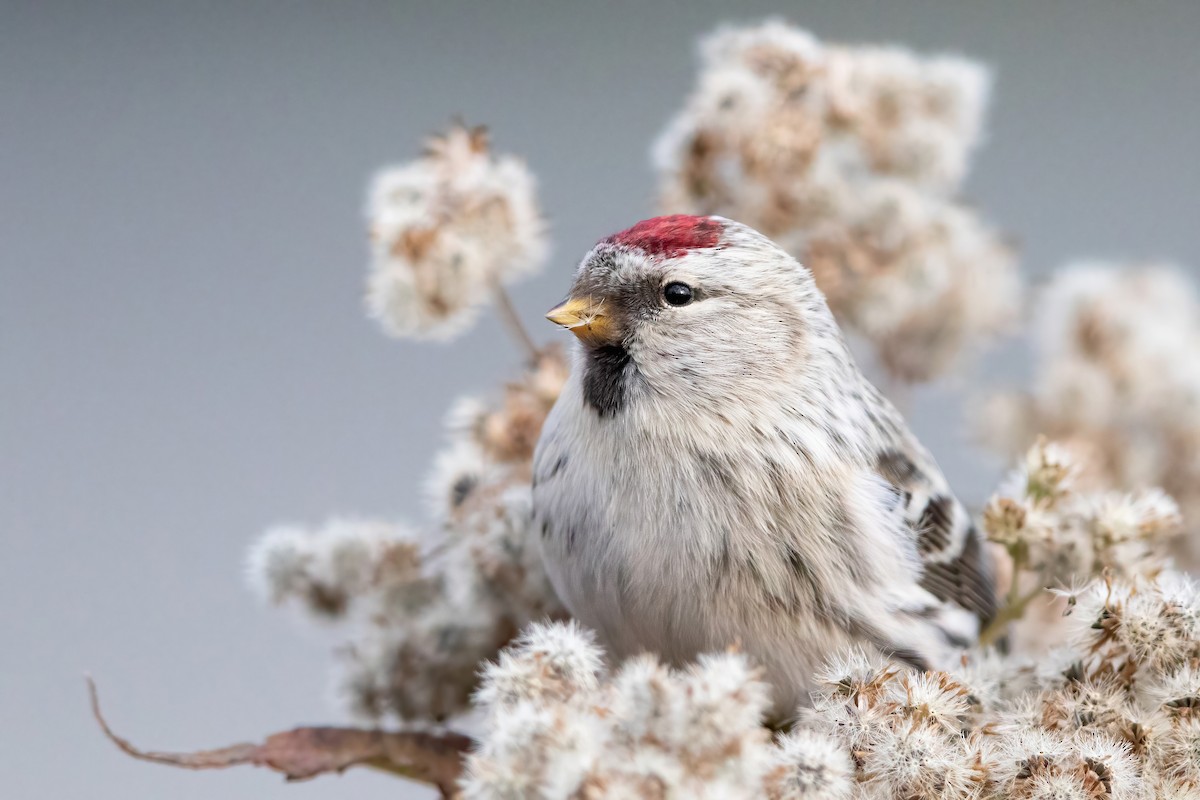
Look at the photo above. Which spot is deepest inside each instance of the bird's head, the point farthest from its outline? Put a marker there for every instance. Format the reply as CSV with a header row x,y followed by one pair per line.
x,y
698,308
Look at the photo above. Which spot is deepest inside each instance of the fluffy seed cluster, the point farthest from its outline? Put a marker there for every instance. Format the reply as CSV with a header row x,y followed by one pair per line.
x,y
1113,716
445,231
557,725
1117,380
1058,530
1055,530
421,612
1123,697
850,157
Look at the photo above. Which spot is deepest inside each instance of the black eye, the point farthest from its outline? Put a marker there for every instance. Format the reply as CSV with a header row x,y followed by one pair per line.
x,y
677,294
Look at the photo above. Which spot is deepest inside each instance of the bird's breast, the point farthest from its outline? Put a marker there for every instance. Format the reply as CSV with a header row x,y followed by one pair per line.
x,y
661,539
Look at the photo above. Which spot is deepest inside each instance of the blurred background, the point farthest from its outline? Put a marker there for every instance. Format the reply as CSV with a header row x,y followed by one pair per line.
x,y
183,354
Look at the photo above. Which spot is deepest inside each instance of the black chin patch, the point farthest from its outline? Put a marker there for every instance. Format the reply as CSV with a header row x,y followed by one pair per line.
x,y
605,382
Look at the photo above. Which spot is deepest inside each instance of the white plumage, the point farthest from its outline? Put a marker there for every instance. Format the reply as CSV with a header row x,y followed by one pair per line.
x,y
718,472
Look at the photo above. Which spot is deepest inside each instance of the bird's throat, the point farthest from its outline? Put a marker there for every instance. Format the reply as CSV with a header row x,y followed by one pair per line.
x,y
607,372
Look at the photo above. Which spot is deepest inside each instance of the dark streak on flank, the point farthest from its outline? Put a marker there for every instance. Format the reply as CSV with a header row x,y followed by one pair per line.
x,y
772,600
779,483
795,446
802,571
557,467
461,488
846,539
720,469
724,561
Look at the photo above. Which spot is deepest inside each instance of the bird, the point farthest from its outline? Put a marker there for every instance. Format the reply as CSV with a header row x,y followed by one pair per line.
x,y
719,473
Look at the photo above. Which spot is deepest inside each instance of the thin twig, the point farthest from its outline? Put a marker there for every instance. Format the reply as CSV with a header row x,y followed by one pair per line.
x,y
512,322
1014,609
1017,554
304,753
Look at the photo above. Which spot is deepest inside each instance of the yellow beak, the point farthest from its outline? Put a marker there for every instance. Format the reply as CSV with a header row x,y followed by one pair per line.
x,y
588,319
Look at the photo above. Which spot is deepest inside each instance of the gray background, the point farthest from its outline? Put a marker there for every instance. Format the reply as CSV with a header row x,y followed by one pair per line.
x,y
183,357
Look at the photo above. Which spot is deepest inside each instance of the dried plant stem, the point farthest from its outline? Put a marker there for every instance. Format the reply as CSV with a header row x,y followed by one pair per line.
x,y
512,321
1015,602
303,753
1011,612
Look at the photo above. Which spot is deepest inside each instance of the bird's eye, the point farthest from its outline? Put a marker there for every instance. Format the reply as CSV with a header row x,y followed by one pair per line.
x,y
677,294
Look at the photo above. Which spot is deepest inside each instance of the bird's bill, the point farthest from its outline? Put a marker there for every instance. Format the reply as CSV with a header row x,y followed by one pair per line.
x,y
587,318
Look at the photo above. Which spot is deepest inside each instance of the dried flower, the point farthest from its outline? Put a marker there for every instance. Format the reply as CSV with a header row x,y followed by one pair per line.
x,y
446,231
646,731
811,766
327,571
1117,381
546,662
1055,532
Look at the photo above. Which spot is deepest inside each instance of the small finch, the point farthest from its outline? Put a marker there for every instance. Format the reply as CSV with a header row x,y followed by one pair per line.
x,y
718,472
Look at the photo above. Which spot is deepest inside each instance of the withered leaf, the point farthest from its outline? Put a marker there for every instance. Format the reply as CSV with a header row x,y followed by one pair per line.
x,y
303,753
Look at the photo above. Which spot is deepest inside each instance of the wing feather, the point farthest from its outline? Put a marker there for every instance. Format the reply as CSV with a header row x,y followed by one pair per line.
x,y
956,565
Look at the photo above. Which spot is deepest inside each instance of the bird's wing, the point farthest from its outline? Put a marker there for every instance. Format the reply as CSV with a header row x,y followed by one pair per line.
x,y
956,565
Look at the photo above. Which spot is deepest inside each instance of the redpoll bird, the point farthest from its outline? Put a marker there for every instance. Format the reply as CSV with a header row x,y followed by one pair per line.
x,y
718,472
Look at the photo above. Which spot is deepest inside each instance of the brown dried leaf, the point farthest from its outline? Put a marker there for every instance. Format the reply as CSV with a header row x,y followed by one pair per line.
x,y
304,753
